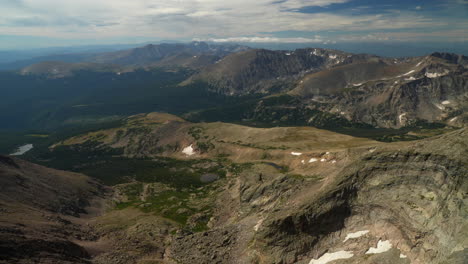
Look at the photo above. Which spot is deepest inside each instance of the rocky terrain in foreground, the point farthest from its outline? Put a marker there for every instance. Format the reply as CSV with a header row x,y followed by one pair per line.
x,y
42,211
223,193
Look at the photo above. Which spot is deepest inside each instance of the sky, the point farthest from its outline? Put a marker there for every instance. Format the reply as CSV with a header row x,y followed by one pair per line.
x,y
45,23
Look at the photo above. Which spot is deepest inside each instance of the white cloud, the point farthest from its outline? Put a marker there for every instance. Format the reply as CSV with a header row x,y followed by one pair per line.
x,y
317,39
222,20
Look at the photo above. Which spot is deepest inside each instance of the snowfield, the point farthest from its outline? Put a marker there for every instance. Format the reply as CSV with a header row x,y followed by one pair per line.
x,y
328,257
189,151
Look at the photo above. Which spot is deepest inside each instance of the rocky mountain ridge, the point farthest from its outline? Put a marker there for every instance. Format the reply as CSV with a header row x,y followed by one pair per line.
x,y
287,195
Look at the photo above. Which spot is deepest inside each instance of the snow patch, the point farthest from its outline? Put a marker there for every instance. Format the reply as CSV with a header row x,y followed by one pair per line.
x,y
257,226
303,161
402,256
287,54
333,161
323,160
453,119
22,149
328,257
296,153
441,107
446,102
410,79
357,84
418,64
313,160
435,74
332,56
382,246
355,235
189,151
408,73
400,117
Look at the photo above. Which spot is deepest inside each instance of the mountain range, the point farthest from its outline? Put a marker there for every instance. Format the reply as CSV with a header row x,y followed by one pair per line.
x,y
313,86
205,153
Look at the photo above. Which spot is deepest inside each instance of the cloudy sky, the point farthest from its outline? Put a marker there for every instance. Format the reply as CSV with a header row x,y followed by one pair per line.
x,y
38,23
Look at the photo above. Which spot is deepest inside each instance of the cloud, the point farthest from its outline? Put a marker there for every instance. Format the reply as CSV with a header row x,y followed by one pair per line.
x,y
204,19
316,39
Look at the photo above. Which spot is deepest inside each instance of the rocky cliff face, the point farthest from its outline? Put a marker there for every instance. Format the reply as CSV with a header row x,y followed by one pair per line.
x,y
411,198
397,204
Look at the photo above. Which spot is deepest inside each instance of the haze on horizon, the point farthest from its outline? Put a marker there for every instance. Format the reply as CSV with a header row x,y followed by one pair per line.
x,y
46,23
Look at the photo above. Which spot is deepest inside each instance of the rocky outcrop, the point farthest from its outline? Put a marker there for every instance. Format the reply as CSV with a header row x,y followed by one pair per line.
x,y
410,197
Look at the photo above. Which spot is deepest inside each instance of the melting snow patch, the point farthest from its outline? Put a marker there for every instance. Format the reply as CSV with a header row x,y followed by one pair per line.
x,y
402,256
188,151
332,56
323,160
410,79
313,160
440,106
296,153
357,84
382,246
303,161
435,74
400,117
333,161
446,102
328,257
355,235
21,150
408,73
257,226
418,64
453,119
288,54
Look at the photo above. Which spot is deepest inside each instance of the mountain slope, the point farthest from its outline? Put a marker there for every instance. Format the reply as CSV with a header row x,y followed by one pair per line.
x,y
265,71
57,69
288,195
153,54
432,88
38,208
